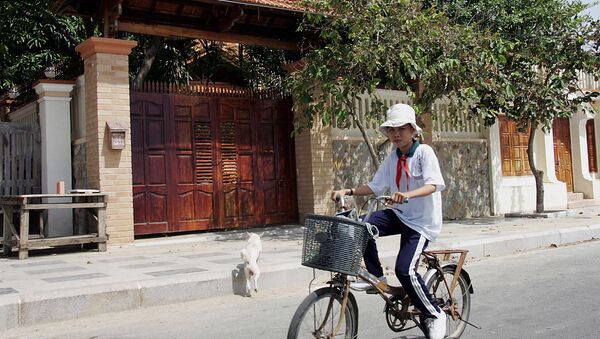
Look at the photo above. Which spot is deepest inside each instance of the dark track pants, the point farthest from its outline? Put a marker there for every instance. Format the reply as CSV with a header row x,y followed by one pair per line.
x,y
412,244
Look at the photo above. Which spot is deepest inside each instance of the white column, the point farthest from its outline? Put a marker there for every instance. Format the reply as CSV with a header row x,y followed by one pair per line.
x,y
555,191
543,150
55,127
579,154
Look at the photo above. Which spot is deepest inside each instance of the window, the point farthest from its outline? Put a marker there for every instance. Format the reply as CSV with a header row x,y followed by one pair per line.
x,y
513,149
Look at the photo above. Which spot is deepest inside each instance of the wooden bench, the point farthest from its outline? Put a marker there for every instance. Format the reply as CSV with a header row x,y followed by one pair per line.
x,y
23,204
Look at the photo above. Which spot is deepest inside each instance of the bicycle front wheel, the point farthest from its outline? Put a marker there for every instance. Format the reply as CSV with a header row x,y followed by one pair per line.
x,y
319,314
460,298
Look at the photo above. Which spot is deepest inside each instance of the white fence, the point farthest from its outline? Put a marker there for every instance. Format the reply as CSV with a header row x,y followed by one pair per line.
x,y
464,128
27,114
588,83
442,129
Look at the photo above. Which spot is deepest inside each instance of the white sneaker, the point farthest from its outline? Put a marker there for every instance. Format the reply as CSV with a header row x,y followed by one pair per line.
x,y
362,285
436,327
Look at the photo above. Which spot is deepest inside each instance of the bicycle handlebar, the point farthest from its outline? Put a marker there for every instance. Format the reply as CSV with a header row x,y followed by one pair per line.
x,y
385,199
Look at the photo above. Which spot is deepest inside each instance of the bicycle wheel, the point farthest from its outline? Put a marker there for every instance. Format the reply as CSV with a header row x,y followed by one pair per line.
x,y
460,297
319,313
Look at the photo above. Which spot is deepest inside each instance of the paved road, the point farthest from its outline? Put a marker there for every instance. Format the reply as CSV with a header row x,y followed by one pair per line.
x,y
550,293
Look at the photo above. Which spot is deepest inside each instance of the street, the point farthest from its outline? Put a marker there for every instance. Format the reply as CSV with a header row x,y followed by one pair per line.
x,y
548,293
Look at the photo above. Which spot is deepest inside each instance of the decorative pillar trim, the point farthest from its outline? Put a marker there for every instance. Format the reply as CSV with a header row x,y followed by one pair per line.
x,y
96,45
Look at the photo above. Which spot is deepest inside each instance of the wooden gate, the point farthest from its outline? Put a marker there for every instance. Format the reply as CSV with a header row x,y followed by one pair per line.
x,y
590,131
562,152
207,162
20,167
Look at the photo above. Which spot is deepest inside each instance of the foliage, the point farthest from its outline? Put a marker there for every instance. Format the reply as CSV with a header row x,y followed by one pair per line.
x,y
32,38
263,67
547,51
171,63
184,60
390,44
550,44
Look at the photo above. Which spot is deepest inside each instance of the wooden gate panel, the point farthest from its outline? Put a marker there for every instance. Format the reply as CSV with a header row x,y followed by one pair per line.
x,y
277,164
562,152
287,162
192,182
591,146
204,164
149,156
237,156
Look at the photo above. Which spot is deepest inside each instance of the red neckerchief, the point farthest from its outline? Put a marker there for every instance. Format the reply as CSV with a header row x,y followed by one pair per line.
x,y
402,165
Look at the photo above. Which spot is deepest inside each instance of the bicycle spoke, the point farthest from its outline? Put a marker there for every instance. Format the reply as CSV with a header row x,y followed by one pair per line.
x,y
322,318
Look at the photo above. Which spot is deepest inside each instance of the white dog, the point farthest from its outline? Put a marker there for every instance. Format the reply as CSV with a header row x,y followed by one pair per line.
x,y
250,255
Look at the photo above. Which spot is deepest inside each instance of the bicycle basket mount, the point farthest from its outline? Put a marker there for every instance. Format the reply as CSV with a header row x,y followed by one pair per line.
x,y
334,244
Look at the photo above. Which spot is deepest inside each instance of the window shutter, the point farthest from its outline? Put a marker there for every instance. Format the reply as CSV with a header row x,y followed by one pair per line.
x,y
229,153
203,152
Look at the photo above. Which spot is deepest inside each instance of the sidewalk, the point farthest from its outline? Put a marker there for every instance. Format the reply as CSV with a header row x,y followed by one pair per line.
x,y
60,286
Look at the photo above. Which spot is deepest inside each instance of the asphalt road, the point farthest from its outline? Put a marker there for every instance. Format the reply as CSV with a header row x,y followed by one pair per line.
x,y
549,293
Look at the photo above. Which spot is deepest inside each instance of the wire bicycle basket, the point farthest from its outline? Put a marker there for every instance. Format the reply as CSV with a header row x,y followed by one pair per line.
x,y
334,244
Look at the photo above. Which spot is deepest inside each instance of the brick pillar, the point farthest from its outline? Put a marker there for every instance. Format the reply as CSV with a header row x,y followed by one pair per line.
x,y
314,164
107,100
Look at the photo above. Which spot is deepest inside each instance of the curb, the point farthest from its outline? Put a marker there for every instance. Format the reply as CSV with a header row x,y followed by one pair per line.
x,y
18,310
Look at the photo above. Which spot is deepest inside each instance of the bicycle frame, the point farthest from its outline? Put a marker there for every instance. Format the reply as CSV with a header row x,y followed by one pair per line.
x,y
434,262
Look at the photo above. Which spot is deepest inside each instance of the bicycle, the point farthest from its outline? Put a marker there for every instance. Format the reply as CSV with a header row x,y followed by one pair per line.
x,y
336,244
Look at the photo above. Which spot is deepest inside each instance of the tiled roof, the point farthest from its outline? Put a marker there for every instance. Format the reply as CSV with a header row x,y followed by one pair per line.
x,y
294,5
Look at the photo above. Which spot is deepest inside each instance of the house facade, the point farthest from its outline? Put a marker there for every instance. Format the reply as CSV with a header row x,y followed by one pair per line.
x,y
486,169
194,162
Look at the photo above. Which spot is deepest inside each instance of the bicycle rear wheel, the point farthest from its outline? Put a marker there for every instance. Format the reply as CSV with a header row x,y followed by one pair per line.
x,y
460,297
319,313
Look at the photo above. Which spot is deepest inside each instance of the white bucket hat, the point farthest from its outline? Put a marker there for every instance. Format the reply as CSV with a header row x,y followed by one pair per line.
x,y
400,115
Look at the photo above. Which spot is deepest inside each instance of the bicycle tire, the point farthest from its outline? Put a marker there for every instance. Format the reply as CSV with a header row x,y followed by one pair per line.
x,y
308,317
461,296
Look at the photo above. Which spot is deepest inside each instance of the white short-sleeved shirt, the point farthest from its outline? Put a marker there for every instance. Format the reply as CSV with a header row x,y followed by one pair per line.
x,y
422,214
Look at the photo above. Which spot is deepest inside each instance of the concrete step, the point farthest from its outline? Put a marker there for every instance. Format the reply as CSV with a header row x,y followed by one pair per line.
x,y
582,203
574,196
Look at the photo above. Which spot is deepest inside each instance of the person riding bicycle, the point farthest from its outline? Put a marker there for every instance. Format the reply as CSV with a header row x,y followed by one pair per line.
x,y
412,175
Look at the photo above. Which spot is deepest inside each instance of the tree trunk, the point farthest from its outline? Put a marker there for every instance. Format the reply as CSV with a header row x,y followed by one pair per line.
x,y
537,174
361,128
151,52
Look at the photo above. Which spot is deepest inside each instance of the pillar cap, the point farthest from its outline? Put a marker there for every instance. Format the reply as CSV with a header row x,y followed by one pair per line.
x,y
96,45
54,86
